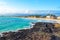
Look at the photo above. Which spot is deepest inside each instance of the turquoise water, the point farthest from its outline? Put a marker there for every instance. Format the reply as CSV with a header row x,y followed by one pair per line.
x,y
13,24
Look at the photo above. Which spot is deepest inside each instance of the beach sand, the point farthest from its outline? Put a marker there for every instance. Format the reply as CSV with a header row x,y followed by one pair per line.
x,y
56,21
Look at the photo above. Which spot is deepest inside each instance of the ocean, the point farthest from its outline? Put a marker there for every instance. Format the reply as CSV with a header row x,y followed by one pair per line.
x,y
14,23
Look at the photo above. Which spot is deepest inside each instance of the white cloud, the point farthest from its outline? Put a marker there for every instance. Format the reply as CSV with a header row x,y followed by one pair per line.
x,y
2,3
4,9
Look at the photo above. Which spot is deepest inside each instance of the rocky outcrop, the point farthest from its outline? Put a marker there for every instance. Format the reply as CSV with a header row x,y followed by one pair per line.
x,y
44,27
40,31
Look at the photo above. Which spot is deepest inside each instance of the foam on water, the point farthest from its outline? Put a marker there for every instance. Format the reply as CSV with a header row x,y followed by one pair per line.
x,y
12,24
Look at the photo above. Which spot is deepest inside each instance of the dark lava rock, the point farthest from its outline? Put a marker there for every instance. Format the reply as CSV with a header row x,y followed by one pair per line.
x,y
40,31
2,38
46,27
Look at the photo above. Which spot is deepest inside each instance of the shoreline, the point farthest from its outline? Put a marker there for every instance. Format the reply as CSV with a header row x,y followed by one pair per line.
x,y
37,21
38,30
48,19
29,27
56,20
31,24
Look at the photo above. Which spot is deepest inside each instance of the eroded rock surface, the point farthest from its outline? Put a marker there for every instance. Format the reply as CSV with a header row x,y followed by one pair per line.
x,y
40,31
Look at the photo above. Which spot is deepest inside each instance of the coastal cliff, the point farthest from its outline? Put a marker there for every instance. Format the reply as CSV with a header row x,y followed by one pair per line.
x,y
40,31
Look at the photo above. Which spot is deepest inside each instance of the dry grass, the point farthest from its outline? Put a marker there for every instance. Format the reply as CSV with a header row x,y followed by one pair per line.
x,y
57,25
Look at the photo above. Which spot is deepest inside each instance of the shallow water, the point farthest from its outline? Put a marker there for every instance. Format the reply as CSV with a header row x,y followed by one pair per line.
x,y
13,24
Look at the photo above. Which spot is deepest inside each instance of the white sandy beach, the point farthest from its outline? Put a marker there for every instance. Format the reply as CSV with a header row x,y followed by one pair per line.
x,y
55,20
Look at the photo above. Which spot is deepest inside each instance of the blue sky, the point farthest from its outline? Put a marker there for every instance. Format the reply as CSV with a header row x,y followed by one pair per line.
x,y
25,5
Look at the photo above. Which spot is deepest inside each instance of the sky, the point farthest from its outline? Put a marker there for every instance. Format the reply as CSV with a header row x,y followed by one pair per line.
x,y
18,6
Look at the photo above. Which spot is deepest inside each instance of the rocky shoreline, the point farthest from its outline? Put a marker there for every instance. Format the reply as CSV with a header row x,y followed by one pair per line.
x,y
40,31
